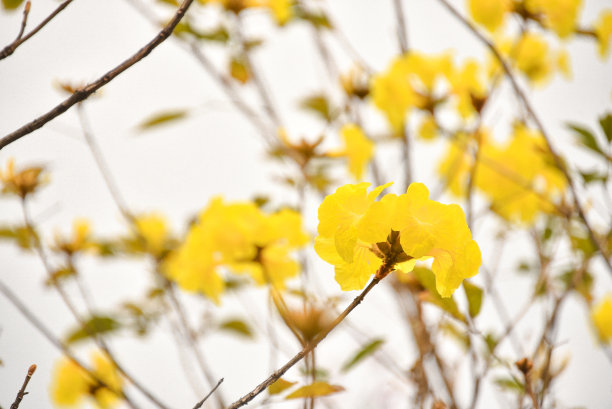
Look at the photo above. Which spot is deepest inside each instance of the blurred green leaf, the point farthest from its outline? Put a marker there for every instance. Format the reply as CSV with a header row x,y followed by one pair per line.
x,y
315,389
510,384
362,353
605,122
591,177
586,138
319,104
237,326
279,386
474,295
97,324
11,4
161,118
428,280
318,20
458,334
582,284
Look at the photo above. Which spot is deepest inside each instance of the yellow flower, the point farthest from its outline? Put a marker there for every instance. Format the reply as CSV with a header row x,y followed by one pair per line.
x,y
357,148
239,236
558,15
71,384
468,86
489,13
429,128
153,231
394,95
601,315
80,240
457,162
281,10
603,31
532,57
425,70
353,229
520,177
23,182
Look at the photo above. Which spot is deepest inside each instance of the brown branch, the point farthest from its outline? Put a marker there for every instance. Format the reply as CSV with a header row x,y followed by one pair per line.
x,y
402,31
200,403
31,370
10,49
527,105
311,345
59,344
92,87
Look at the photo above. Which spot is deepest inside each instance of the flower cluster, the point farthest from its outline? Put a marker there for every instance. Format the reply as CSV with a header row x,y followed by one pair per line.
x,y
518,177
239,237
357,234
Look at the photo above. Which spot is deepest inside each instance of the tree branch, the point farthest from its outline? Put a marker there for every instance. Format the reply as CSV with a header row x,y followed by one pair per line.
x,y
312,344
92,87
31,370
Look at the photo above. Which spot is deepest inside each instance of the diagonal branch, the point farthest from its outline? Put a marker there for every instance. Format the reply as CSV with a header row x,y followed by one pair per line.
x,y
92,87
527,105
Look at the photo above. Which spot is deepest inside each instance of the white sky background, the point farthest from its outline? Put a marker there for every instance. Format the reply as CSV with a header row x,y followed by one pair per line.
x,y
177,169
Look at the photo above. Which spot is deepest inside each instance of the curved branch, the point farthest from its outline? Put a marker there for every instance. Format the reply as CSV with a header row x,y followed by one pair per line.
x,y
92,87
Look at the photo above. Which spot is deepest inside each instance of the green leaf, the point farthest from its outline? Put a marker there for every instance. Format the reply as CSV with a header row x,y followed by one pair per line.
x,y
237,326
605,122
428,280
510,384
279,386
591,177
473,294
11,4
363,353
319,104
586,138
162,118
97,324
315,389
318,20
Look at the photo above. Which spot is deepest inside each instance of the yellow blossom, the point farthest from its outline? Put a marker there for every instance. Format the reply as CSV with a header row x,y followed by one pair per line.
x,y
426,70
601,315
532,57
357,148
458,161
281,10
153,231
20,183
394,95
241,237
489,13
72,385
520,177
468,86
80,240
603,31
429,128
353,228
558,15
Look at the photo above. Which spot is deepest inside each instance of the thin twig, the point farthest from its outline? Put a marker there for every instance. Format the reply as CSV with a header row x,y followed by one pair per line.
x,y
10,49
57,343
402,31
305,350
527,105
22,391
200,403
92,87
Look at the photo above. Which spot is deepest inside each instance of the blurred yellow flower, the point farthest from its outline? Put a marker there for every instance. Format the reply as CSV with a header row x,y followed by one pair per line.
x,y
603,31
428,129
467,84
489,13
80,239
241,237
394,95
71,384
559,15
355,232
357,148
601,315
533,58
153,231
21,183
520,177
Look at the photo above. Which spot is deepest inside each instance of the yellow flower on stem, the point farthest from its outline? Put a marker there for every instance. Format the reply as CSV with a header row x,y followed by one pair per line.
x,y
71,384
601,315
20,183
152,230
357,234
533,58
80,240
559,15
